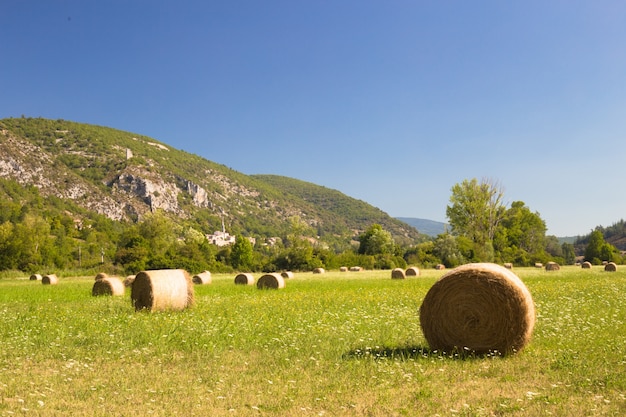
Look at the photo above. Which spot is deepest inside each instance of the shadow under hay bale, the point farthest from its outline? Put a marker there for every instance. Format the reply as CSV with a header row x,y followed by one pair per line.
x,y
128,281
108,286
586,265
50,279
319,271
270,281
412,271
244,279
35,277
478,308
553,266
101,275
610,267
164,289
287,274
397,273
202,278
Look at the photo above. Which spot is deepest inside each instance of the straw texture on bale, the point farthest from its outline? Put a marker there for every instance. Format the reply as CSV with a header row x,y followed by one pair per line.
x,y
586,265
478,308
397,273
412,271
202,278
287,274
35,277
319,271
108,286
244,279
164,289
49,279
128,281
101,275
343,269
552,266
610,267
270,281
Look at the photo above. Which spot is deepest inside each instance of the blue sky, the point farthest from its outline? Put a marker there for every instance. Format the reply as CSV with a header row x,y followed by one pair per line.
x,y
391,102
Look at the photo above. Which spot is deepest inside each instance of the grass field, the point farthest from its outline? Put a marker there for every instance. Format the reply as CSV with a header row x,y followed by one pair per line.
x,y
338,344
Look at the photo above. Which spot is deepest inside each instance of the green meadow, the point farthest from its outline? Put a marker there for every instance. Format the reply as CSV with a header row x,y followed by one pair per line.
x,y
337,344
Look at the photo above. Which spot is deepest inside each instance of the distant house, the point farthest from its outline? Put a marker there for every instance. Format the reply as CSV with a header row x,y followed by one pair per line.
x,y
221,238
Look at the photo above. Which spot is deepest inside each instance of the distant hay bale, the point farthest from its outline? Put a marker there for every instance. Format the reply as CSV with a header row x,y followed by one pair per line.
x,y
202,278
538,265
108,286
35,277
101,275
244,279
478,308
319,271
586,265
397,273
271,281
412,271
287,274
508,265
356,269
440,267
128,281
552,266
610,267
164,289
50,279
343,269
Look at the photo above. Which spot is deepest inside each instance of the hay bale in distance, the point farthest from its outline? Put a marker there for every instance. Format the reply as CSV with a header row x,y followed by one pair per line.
x,y
552,266
128,281
108,286
202,278
356,269
610,267
50,279
164,289
287,274
478,308
343,269
101,275
35,277
397,273
319,271
508,265
586,265
440,267
244,279
272,281
412,271
538,265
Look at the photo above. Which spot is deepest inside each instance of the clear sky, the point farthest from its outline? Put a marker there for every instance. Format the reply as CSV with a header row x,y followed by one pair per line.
x,y
391,102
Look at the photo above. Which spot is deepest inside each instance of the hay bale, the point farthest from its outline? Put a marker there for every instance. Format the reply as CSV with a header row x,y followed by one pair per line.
x,y
508,265
552,266
108,286
128,281
35,277
50,279
101,275
610,267
271,281
202,278
164,289
586,265
356,269
319,271
397,273
244,279
538,265
287,274
440,267
478,308
412,271
343,269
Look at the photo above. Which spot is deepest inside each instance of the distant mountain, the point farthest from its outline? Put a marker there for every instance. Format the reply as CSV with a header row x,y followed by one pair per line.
x,y
427,227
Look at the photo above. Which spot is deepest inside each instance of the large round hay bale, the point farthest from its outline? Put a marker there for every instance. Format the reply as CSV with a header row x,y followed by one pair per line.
x,y
101,275
610,267
50,279
164,289
552,266
287,274
270,281
397,273
319,271
343,269
36,277
412,271
586,265
202,278
478,308
108,286
244,279
128,281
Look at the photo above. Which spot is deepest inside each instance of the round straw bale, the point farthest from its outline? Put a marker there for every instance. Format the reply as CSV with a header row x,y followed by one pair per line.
x,y
203,277
35,277
287,274
128,281
508,265
50,279
552,266
440,267
164,289
586,265
397,273
101,275
108,286
244,279
356,269
610,267
343,269
412,271
270,281
319,271
478,308
538,265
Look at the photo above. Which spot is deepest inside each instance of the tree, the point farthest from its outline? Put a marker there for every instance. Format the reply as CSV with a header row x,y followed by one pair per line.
x,y
599,250
475,212
242,255
376,241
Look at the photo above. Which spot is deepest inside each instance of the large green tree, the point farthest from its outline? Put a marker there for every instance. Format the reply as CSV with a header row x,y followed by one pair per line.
x,y
242,255
376,241
521,235
599,250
